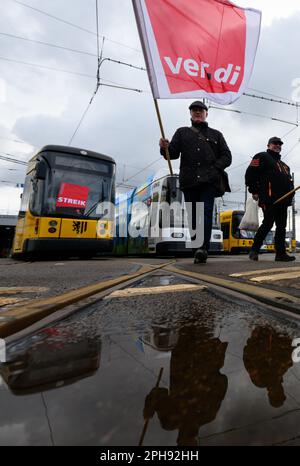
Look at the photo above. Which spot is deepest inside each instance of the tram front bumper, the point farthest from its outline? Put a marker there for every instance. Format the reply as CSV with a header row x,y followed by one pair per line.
x,y
77,245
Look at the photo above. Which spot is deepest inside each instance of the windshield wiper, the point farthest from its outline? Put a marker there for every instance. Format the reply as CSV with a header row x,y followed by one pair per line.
x,y
102,196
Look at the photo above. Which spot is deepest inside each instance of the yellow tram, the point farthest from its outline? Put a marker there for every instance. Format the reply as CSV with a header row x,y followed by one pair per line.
x,y
234,239
62,203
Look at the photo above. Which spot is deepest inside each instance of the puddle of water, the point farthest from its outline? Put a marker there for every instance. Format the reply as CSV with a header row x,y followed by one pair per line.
x,y
228,375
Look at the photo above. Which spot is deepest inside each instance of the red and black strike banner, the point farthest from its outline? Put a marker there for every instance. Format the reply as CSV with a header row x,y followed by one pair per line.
x,y
72,195
198,48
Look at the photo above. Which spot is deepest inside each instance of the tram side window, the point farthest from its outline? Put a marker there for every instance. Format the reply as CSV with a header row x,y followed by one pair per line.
x,y
225,227
36,196
26,194
37,178
235,226
139,220
170,190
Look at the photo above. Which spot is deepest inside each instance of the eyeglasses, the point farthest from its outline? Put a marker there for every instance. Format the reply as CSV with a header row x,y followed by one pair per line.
x,y
277,143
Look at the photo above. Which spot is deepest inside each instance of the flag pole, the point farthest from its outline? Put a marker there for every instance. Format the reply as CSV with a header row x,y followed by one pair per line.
x,y
163,134
286,195
147,420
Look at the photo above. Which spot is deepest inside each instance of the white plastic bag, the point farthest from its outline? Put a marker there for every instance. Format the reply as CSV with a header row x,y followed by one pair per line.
x,y
250,218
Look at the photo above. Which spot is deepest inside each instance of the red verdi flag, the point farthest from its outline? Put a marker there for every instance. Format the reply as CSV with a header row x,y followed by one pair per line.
x,y
198,48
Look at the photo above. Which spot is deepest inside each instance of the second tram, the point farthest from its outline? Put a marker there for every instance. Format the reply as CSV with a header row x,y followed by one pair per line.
x,y
156,194
234,239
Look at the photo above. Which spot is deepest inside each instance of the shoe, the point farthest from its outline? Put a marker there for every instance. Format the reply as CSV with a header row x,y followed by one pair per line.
x,y
200,256
284,258
253,256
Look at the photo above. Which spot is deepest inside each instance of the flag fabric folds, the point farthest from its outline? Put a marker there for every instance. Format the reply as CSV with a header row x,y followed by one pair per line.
x,y
198,48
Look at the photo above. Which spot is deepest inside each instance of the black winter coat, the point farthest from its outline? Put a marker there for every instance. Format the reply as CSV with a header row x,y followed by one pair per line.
x,y
269,177
201,161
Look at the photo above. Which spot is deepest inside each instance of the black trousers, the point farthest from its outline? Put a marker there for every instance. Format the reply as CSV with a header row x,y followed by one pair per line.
x,y
277,214
206,194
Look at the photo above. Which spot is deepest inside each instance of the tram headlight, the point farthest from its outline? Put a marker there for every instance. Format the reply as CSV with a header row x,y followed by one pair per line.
x,y
53,223
177,235
52,230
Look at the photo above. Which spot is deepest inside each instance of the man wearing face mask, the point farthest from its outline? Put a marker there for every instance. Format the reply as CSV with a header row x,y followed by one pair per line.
x,y
268,179
204,156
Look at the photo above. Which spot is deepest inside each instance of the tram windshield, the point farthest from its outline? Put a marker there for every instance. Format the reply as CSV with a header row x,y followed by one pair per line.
x,y
75,186
172,195
236,232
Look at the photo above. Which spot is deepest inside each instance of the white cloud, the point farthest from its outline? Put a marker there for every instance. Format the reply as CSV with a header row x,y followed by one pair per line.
x,y
272,10
10,200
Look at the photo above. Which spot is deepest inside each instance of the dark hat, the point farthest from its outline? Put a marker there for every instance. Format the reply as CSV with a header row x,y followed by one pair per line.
x,y
198,104
275,140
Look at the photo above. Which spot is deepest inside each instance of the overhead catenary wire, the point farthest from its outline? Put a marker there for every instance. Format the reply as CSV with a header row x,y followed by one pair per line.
x,y
254,114
13,160
288,133
97,32
48,44
122,87
76,73
100,61
90,76
237,166
283,101
291,150
268,93
243,163
99,56
118,85
119,62
17,141
79,124
283,136
142,170
288,102
69,23
51,68
295,104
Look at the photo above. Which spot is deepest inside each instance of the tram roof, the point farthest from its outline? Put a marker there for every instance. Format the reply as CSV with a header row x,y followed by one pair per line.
x,y
75,150
159,175
232,212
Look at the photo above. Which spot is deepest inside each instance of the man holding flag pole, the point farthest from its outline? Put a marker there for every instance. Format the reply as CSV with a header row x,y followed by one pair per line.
x,y
204,156
200,49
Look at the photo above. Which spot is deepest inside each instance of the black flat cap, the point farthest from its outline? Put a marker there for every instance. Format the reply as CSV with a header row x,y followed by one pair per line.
x,y
275,140
198,104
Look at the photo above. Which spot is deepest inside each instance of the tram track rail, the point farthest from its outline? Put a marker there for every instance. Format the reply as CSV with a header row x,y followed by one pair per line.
x,y
23,315
27,317
264,295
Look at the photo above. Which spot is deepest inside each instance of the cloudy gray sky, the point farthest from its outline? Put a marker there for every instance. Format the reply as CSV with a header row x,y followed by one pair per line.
x,y
44,90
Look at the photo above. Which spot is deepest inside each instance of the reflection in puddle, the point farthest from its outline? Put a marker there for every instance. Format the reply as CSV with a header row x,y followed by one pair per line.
x,y
267,357
227,378
51,360
196,388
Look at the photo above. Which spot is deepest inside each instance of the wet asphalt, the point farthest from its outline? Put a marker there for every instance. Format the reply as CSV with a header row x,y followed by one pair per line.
x,y
228,377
